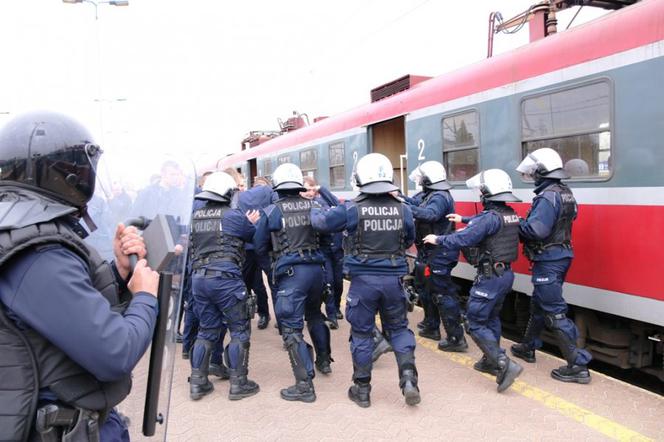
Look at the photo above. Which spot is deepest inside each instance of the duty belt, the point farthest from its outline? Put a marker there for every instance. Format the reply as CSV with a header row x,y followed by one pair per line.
x,y
210,272
55,423
488,269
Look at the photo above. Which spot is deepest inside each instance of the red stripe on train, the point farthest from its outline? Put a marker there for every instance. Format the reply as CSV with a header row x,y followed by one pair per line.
x,y
617,248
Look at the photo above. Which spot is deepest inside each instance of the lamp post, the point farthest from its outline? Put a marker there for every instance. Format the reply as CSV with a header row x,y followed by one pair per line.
x,y
96,3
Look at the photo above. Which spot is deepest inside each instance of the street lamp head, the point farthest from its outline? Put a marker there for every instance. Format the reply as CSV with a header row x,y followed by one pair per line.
x,y
72,1
119,2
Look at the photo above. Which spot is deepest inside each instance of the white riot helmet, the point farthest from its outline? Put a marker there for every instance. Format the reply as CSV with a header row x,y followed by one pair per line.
x,y
218,186
287,177
373,174
544,162
494,185
430,175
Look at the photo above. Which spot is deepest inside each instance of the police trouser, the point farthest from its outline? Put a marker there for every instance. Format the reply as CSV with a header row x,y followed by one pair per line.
x,y
334,275
253,278
191,331
368,295
298,297
483,311
549,309
421,283
220,298
444,293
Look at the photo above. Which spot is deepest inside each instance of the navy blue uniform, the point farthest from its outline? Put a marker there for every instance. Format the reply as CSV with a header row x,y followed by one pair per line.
x,y
487,293
298,279
220,297
332,248
549,270
376,287
105,343
256,198
429,210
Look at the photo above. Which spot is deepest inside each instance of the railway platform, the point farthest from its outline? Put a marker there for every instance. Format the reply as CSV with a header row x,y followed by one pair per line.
x,y
458,403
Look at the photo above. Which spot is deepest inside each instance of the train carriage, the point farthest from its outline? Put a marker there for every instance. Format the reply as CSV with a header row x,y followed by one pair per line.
x,y
594,93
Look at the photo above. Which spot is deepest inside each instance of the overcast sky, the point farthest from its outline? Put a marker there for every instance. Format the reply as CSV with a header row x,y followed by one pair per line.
x,y
197,75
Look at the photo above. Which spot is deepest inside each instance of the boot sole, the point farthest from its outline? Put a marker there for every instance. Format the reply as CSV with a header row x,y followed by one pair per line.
x,y
584,380
510,376
307,399
197,396
453,349
491,372
238,396
412,397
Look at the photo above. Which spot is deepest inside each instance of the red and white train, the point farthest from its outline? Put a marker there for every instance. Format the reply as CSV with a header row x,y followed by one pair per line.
x,y
595,93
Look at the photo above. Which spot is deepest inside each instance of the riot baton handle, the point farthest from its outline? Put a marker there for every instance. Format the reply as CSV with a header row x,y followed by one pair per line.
x,y
151,414
141,223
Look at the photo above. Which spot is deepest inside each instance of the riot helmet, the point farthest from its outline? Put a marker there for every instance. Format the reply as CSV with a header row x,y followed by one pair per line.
x,y
218,186
542,163
51,154
430,175
288,177
493,185
373,174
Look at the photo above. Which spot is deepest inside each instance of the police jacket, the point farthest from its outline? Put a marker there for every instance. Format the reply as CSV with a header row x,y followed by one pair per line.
x,y
430,218
494,231
331,242
285,232
547,230
218,234
63,331
256,198
379,228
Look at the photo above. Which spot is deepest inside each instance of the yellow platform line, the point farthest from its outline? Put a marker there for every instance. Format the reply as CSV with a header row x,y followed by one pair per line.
x,y
586,417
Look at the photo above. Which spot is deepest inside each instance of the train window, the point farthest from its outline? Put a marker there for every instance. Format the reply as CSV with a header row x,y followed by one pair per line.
x,y
268,167
283,159
337,167
309,162
461,144
575,123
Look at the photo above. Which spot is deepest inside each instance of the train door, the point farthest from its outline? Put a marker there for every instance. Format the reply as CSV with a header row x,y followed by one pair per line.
x,y
389,138
253,171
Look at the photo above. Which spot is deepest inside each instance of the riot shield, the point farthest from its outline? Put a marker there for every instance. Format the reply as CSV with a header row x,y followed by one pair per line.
x,y
156,196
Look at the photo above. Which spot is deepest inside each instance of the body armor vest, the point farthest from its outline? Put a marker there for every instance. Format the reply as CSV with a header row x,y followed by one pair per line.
x,y
209,242
502,246
31,362
561,234
380,232
296,234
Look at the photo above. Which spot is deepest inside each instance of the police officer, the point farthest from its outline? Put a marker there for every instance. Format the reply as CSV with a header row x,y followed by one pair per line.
x,y
332,248
493,235
256,198
285,229
68,341
218,234
430,215
380,228
547,237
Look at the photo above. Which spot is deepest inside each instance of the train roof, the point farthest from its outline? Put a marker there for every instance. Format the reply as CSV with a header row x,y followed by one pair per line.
x,y
619,31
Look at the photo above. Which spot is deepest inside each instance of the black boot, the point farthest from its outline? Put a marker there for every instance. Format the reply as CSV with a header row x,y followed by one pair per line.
x,y
430,333
572,373
323,363
303,390
219,370
199,384
359,393
453,344
241,387
508,372
523,351
408,378
485,366
333,323
381,345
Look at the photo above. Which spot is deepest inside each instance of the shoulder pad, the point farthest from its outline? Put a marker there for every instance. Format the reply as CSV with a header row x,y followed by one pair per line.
x,y
269,209
18,214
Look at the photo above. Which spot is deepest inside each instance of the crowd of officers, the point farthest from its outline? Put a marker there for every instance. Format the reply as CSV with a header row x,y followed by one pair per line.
x,y
306,241
71,340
